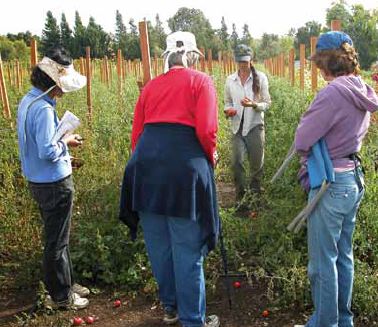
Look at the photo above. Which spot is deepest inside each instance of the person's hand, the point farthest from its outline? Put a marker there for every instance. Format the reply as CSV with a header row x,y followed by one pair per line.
x,y
73,140
230,112
215,159
140,86
247,102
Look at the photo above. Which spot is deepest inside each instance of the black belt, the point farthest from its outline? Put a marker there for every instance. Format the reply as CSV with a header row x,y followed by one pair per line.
x,y
356,157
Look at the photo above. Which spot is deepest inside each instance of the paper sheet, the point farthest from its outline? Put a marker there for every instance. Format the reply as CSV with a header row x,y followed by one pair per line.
x,y
67,125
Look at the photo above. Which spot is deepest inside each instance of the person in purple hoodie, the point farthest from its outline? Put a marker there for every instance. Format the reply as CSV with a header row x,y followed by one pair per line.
x,y
339,114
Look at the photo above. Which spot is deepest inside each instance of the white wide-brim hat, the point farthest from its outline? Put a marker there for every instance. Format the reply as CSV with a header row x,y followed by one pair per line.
x,y
65,77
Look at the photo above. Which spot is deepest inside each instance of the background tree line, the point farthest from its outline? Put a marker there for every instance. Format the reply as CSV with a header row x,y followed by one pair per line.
x,y
360,24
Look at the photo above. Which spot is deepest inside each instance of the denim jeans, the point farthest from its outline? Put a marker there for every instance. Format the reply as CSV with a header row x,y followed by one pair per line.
x,y
331,267
253,145
55,204
176,251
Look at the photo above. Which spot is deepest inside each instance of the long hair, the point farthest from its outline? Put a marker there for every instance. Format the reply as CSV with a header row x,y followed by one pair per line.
x,y
338,62
256,82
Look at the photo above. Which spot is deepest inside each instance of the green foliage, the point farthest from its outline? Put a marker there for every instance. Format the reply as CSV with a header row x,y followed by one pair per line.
x,y
304,34
66,34
338,11
50,34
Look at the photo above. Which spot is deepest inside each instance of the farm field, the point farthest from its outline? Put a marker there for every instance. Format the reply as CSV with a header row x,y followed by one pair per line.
x,y
270,260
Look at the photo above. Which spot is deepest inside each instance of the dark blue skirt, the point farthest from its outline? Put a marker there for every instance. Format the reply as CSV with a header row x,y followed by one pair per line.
x,y
169,174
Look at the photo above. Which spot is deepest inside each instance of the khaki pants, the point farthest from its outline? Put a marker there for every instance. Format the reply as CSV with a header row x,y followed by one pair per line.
x,y
253,145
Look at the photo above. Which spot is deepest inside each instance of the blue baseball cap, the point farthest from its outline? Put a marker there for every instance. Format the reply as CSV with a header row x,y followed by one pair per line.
x,y
332,40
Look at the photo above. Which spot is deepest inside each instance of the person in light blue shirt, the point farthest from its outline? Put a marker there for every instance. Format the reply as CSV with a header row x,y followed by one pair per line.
x,y
46,165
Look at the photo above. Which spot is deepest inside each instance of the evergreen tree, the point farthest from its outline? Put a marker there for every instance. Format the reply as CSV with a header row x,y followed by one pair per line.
x,y
224,36
66,34
234,38
247,38
80,42
98,40
120,37
50,34
133,51
161,36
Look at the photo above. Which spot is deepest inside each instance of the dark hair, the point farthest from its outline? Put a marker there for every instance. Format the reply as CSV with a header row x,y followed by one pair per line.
x,y
40,79
338,62
256,81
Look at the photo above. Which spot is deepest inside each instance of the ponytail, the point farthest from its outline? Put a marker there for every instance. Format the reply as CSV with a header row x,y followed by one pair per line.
x,y
256,82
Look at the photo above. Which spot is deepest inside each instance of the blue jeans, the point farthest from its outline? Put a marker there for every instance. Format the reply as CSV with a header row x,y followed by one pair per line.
x,y
175,247
55,201
331,268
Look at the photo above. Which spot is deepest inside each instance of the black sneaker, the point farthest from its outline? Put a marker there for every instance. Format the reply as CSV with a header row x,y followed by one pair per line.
x,y
170,317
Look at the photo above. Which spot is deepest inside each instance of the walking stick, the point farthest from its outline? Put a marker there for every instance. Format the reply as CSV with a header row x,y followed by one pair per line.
x,y
225,266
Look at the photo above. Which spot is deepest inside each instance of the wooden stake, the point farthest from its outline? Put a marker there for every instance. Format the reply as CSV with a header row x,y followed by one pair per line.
x,y
210,61
202,60
6,108
292,66
302,58
33,53
119,70
145,48
314,69
18,79
336,25
89,81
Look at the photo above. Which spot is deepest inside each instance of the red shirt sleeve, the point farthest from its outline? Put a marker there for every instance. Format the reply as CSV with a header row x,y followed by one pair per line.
x,y
138,122
206,118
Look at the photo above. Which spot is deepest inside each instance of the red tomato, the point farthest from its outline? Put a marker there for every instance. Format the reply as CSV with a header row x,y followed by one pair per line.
x,y
90,320
237,284
117,303
77,321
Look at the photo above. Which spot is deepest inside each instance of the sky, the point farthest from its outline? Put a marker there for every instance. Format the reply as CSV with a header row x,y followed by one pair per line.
x,y
266,16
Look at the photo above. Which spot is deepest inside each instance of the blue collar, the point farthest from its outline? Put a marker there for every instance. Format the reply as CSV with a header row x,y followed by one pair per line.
x,y
37,92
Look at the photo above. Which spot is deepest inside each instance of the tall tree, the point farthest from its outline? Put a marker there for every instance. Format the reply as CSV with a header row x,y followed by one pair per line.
x,y
234,38
98,40
364,33
224,36
304,34
80,41
247,38
193,20
120,37
269,46
66,34
50,34
160,33
133,47
339,10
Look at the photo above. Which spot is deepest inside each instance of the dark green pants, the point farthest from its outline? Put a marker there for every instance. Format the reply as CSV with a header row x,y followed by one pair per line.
x,y
251,145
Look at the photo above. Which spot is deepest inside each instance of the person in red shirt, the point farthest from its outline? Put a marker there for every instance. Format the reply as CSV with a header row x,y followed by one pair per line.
x,y
169,180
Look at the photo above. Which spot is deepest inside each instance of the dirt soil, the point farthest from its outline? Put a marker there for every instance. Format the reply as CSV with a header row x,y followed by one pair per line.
x,y
248,304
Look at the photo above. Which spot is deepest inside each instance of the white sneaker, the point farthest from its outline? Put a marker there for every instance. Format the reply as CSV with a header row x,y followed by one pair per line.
x,y
81,290
74,302
212,321
170,317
